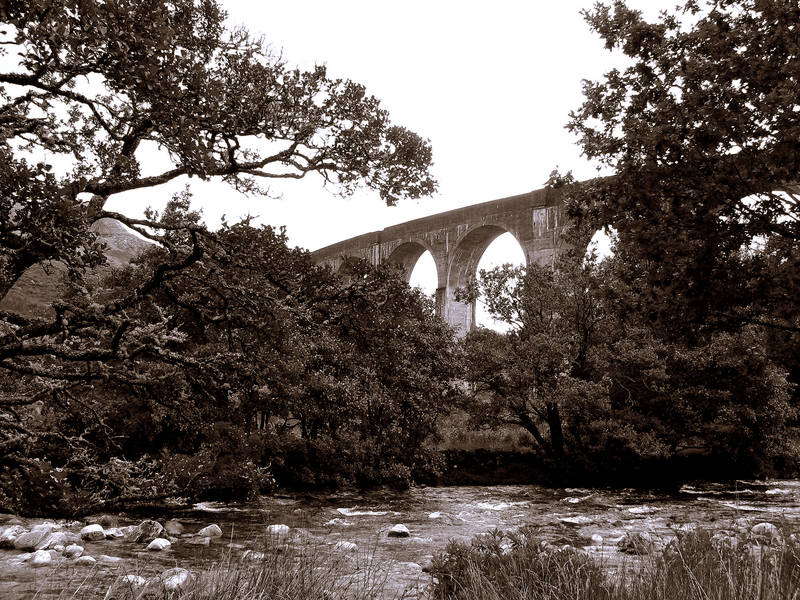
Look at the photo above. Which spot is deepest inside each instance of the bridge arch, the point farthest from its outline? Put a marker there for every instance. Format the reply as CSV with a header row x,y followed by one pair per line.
x,y
463,265
406,255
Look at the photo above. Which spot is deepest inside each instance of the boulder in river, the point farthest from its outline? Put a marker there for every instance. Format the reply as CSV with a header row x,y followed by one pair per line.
x,y
399,530
85,561
114,533
40,558
344,547
21,558
73,551
577,520
128,530
30,540
158,544
146,532
197,540
58,538
210,531
278,530
8,535
93,532
173,527
175,579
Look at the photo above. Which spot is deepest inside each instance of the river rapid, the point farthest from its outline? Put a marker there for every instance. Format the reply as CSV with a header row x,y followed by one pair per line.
x,y
591,519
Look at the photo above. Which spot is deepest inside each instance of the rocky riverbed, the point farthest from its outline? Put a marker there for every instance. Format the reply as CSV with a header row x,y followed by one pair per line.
x,y
398,530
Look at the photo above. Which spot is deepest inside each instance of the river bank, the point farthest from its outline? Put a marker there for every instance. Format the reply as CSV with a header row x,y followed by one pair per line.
x,y
596,522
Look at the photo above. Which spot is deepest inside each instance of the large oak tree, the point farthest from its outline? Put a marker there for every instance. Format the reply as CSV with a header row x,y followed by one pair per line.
x,y
93,83
87,90
702,131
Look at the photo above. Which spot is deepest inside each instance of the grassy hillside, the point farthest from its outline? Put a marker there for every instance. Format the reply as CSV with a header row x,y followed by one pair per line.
x,y
41,284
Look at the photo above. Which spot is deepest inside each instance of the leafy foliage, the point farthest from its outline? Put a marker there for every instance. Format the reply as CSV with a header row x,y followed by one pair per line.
x,y
702,133
695,344
531,375
145,382
278,371
96,83
586,373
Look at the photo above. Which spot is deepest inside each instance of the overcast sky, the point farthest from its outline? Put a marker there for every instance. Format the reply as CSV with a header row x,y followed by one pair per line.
x,y
491,86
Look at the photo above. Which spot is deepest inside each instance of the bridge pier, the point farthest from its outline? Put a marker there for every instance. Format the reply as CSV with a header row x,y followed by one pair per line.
x,y
457,239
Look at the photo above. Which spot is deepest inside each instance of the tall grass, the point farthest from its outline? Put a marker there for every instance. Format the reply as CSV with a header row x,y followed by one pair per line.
x,y
520,568
277,572
456,433
293,574
696,566
699,567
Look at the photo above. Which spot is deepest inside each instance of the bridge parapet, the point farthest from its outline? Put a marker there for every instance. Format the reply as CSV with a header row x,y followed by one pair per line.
x,y
456,240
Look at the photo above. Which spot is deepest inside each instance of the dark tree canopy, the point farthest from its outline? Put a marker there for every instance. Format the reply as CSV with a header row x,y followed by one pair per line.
x,y
185,345
98,83
702,131
585,372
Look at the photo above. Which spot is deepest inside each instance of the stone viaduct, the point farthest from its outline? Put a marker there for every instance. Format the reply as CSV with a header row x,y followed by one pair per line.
x,y
457,239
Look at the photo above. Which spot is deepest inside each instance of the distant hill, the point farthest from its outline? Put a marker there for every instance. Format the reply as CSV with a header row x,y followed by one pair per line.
x,y
39,287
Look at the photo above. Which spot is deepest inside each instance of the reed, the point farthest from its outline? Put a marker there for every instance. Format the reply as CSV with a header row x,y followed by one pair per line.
x,y
276,571
695,566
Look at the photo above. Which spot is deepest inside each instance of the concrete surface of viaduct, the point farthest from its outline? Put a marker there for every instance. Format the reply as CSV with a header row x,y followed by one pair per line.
x,y
457,239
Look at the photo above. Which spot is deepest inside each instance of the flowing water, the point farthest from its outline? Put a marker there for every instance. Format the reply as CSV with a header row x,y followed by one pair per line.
x,y
592,519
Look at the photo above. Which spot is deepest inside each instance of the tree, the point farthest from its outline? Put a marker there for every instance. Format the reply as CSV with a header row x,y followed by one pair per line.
x,y
97,85
328,379
381,372
536,375
275,368
702,130
98,82
584,370
360,366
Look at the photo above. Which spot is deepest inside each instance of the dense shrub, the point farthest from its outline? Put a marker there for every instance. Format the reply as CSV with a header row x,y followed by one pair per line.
x,y
519,568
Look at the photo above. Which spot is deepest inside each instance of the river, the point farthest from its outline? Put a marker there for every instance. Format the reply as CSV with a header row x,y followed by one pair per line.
x,y
592,519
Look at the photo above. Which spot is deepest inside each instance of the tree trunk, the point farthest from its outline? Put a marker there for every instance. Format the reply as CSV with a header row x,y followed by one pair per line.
x,y
556,430
528,425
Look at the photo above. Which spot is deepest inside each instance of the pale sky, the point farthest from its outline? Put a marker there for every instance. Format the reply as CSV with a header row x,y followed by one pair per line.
x,y
491,86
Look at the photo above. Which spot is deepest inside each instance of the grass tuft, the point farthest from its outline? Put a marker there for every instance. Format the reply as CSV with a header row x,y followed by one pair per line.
x,y
695,566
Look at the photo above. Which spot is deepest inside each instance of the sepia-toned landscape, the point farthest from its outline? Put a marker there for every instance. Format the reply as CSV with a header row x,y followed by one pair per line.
x,y
192,406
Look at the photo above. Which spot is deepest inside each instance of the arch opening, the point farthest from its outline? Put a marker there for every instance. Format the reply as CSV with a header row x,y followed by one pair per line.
x,y
418,266
504,249
464,266
602,243
423,275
